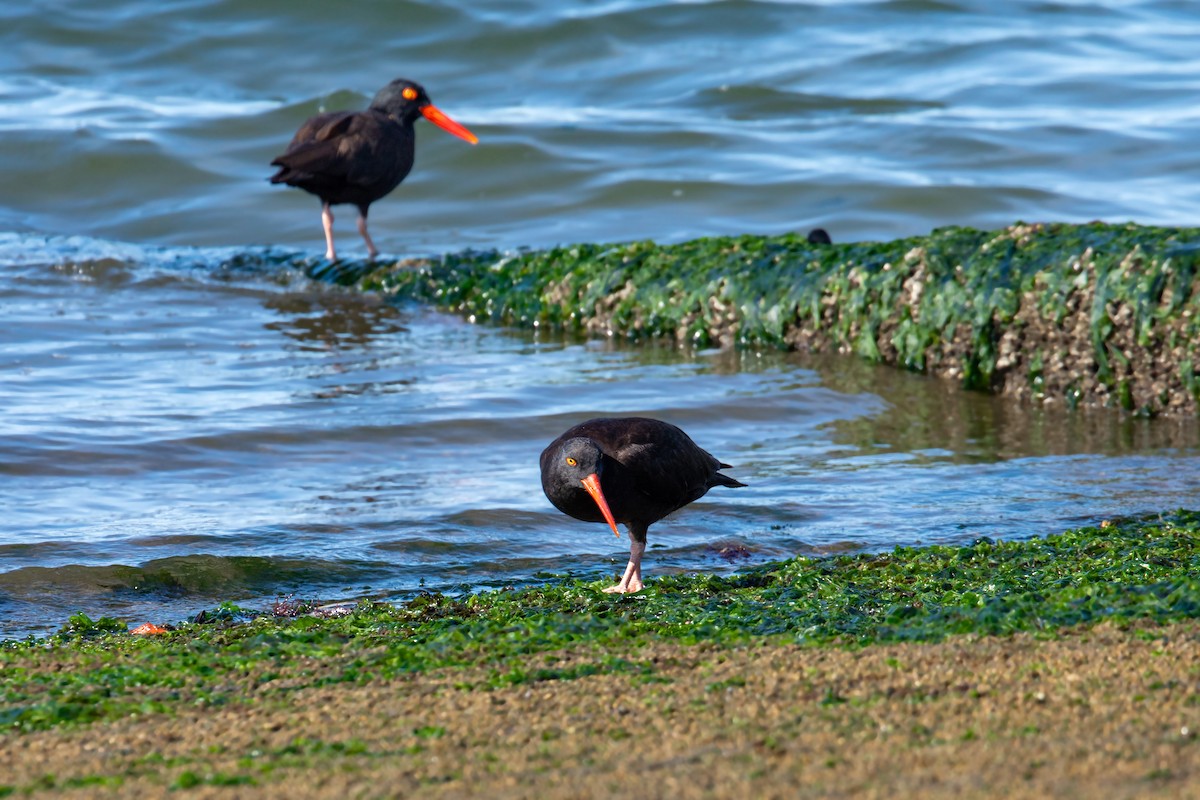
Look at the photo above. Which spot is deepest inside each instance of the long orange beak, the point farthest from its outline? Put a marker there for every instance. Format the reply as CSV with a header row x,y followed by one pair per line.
x,y
592,484
434,115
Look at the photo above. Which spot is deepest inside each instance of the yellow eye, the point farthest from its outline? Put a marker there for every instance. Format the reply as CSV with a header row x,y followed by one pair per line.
x,y
571,462
409,93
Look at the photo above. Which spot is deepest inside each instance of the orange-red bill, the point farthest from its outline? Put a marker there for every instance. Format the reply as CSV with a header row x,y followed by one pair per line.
x,y
592,484
434,115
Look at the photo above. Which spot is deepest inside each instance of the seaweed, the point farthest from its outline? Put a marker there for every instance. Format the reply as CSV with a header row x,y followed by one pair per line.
x,y
1095,314
1131,570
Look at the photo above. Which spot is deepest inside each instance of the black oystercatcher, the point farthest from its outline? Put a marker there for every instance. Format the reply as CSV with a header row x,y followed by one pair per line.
x,y
359,156
633,470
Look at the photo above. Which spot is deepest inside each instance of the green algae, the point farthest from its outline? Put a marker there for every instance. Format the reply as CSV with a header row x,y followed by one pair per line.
x,y
1141,569
1097,313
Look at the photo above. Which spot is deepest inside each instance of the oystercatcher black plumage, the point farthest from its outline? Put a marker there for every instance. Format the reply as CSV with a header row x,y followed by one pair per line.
x,y
358,157
633,470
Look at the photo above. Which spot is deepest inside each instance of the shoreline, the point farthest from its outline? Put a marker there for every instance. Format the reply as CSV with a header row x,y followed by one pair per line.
x,y
985,670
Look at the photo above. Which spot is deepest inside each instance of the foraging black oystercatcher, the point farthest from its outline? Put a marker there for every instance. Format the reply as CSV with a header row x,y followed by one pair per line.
x,y
633,470
359,156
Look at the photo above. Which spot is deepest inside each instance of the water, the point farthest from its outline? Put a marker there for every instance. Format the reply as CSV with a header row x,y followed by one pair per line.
x,y
154,122
187,421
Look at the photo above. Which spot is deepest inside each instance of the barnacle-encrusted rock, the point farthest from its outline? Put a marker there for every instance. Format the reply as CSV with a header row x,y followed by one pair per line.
x,y
1097,314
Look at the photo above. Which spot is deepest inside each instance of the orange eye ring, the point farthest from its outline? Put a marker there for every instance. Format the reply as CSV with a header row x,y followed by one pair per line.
x,y
571,462
409,93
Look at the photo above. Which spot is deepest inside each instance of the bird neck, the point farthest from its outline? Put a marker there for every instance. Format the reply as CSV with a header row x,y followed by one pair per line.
x,y
401,116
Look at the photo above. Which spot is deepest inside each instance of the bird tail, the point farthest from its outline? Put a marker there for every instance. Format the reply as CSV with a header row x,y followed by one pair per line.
x,y
725,480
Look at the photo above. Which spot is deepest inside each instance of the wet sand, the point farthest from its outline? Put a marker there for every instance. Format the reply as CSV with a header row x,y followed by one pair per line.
x,y
1105,712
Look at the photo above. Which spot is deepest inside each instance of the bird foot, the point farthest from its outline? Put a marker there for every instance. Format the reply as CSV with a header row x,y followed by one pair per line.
x,y
631,581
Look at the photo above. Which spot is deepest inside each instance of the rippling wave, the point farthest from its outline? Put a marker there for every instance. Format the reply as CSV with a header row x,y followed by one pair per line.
x,y
609,121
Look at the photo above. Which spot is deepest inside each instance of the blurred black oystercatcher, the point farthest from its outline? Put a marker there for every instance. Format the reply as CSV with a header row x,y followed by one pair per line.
x,y
633,470
359,156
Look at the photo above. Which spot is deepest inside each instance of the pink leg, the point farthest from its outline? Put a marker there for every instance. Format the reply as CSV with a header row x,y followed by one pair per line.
x,y
327,222
362,229
631,581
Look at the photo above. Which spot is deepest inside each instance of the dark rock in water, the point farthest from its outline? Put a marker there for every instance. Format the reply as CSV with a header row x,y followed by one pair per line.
x,y
730,552
819,236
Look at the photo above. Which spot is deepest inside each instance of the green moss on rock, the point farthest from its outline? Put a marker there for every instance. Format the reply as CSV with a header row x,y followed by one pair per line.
x,y
1091,314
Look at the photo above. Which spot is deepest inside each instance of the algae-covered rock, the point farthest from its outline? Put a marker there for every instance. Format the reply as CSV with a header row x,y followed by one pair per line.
x,y
1093,314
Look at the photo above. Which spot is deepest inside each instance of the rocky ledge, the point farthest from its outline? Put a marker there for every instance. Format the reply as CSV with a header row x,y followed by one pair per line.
x,y
1084,315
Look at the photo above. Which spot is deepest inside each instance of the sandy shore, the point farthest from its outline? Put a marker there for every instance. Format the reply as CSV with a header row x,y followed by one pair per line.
x,y
1106,712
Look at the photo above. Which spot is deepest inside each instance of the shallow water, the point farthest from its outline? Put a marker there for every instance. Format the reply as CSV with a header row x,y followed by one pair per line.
x,y
189,420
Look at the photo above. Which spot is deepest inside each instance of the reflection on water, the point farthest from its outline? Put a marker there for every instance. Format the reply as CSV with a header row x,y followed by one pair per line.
x,y
332,320
935,414
175,437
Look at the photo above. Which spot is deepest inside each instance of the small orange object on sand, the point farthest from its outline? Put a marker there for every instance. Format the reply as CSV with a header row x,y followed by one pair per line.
x,y
149,629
